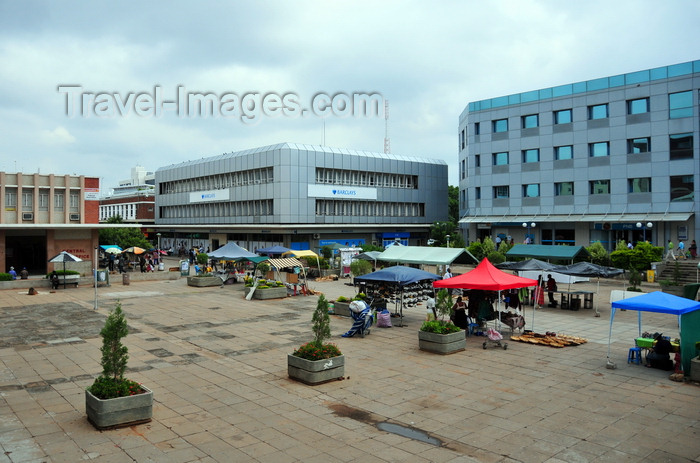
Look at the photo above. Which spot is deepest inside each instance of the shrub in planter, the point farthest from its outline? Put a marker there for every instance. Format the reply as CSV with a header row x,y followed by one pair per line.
x,y
106,400
342,299
317,361
441,336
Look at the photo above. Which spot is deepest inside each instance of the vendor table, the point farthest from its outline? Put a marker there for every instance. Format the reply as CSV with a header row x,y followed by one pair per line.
x,y
571,300
648,343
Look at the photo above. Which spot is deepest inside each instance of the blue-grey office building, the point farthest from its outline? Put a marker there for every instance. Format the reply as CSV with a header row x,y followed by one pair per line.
x,y
302,197
602,160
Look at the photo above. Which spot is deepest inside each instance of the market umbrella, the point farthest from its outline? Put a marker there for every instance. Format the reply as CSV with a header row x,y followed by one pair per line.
x,y
112,250
64,257
135,250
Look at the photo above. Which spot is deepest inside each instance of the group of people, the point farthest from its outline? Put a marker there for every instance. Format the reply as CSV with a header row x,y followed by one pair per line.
x,y
671,254
23,274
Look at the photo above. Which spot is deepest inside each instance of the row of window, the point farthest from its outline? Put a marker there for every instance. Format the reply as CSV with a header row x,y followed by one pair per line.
x,y
680,105
363,178
260,207
682,188
369,208
219,181
125,211
43,200
680,147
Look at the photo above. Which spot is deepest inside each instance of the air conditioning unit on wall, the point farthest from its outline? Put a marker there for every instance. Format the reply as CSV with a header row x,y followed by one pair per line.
x,y
27,216
74,217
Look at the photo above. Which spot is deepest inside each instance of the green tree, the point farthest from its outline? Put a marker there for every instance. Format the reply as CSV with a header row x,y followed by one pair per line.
x,y
123,237
360,267
443,305
599,255
321,322
439,232
370,247
327,251
114,353
453,204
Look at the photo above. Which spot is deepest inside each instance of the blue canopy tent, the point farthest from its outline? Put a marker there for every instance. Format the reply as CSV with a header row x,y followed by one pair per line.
x,y
687,311
400,276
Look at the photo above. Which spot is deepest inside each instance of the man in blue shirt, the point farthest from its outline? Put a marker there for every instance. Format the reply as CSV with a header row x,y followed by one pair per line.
x,y
13,273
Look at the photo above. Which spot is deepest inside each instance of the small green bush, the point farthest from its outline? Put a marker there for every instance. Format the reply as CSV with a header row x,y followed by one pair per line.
x,y
5,277
342,299
436,326
63,272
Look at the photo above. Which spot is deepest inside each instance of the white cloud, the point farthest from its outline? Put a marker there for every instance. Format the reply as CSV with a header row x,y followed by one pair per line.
x,y
57,136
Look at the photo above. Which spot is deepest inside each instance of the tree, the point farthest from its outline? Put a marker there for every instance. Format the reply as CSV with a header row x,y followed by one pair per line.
x,y
123,237
360,267
321,322
453,204
114,353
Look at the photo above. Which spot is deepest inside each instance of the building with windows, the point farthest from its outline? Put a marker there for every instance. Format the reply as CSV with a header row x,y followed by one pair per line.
x,y
602,160
299,196
44,215
133,200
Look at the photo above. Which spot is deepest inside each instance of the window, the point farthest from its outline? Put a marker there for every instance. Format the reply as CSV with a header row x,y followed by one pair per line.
x,y
681,146
464,168
530,121
500,159
477,192
599,149
74,201
477,160
639,145
599,111
562,117
500,125
531,191
600,187
462,138
531,155
563,152
680,105
682,188
477,128
10,198
58,201
43,200
564,189
501,192
27,200
638,106
639,185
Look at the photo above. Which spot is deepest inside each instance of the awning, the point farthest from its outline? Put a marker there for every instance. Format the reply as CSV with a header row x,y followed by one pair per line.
x,y
285,263
573,217
426,255
540,251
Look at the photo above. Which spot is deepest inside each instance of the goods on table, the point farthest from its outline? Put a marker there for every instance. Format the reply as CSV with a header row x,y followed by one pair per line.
x,y
550,339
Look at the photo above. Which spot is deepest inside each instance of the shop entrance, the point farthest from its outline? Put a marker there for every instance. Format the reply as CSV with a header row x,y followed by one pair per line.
x,y
26,251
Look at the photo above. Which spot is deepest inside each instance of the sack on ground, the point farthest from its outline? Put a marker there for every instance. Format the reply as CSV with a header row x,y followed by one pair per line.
x,y
384,319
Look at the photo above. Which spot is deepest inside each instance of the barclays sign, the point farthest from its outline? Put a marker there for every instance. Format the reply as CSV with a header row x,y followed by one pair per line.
x,y
209,196
329,191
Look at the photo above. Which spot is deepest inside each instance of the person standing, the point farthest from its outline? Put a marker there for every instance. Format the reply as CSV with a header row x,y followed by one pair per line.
x,y
669,252
551,287
681,248
693,249
459,314
448,274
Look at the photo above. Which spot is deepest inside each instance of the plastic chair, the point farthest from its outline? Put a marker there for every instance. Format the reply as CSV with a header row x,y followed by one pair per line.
x,y
635,355
471,328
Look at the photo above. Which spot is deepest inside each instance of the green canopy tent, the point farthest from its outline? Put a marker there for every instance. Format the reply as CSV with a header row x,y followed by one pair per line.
x,y
549,253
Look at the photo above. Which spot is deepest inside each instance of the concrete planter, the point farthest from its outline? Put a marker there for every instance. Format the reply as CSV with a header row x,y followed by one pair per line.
x,y
270,293
119,412
695,369
676,290
201,282
341,308
442,343
314,372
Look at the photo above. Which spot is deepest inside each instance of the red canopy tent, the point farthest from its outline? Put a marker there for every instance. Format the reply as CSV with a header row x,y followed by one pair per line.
x,y
487,277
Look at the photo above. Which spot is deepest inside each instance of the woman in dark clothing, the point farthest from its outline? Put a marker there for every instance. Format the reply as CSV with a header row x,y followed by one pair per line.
x,y
459,314
660,356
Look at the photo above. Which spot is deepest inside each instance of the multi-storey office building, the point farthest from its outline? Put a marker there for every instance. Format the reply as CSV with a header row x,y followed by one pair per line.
x,y
300,196
601,160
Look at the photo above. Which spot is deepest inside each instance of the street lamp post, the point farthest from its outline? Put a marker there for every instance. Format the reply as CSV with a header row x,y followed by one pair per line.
x,y
644,228
447,237
158,235
528,225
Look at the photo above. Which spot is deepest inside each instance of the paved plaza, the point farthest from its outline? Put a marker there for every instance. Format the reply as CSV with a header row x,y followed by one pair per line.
x,y
217,366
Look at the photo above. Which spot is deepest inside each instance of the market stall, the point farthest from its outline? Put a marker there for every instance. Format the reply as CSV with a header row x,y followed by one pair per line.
x,y
295,273
402,286
687,311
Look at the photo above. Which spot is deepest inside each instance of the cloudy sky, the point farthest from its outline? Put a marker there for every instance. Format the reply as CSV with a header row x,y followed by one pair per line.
x,y
429,59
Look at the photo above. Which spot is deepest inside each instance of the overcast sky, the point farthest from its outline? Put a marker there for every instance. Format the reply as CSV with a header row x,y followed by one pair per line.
x,y
429,59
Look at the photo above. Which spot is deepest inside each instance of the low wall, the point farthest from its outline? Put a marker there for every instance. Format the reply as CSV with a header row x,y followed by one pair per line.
x,y
114,279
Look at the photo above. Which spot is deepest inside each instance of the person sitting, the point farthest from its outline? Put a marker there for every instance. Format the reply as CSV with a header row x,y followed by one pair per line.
x,y
24,274
12,273
660,355
54,280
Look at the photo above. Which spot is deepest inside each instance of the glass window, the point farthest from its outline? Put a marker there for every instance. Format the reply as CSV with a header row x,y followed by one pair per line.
x,y
682,188
11,197
563,152
477,192
639,185
531,155
599,111
531,191
639,145
600,187
599,149
680,104
564,189
562,117
530,121
500,125
681,146
477,160
638,106
501,192
27,200
500,159
477,128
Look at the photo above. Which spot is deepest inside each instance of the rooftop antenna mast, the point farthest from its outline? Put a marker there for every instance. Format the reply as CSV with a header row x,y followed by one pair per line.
x,y
387,142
